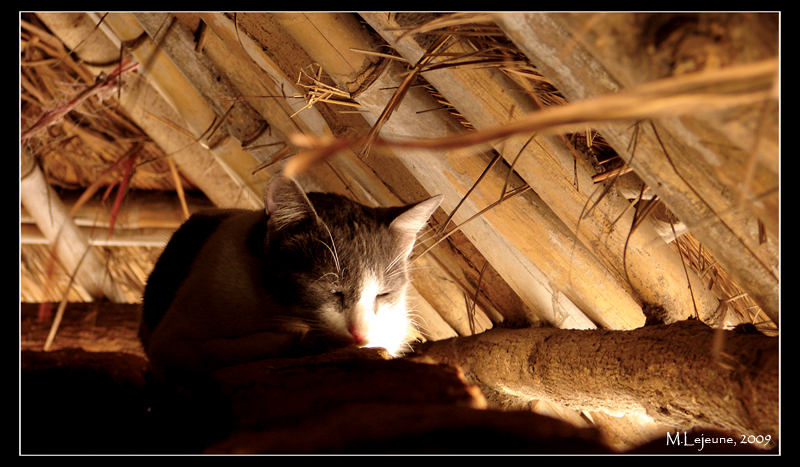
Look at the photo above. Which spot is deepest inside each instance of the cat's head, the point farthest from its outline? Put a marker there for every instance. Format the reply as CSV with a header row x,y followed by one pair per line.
x,y
341,264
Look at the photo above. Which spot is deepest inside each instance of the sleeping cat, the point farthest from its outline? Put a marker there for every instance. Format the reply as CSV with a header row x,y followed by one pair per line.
x,y
310,273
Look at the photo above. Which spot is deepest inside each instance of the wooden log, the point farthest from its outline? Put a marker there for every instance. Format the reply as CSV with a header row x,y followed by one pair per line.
x,y
681,374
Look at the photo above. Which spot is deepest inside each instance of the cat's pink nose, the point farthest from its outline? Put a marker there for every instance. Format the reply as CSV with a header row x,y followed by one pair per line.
x,y
359,338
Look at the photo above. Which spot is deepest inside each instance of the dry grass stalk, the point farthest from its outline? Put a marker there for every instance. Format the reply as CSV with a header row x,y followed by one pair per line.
x,y
720,283
42,40
474,303
449,21
399,94
281,154
378,54
55,115
63,305
507,196
491,164
668,97
173,168
318,91
448,107
613,173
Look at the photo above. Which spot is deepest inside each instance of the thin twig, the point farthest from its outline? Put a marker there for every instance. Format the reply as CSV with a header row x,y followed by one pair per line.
x,y
471,189
63,304
511,194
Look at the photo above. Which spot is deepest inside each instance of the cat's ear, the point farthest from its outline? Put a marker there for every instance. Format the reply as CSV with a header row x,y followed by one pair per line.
x,y
286,204
411,221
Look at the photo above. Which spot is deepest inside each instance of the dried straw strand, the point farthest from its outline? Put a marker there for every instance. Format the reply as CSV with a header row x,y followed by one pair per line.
x,y
668,97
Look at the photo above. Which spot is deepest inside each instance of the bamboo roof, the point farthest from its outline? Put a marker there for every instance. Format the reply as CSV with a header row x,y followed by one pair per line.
x,y
572,151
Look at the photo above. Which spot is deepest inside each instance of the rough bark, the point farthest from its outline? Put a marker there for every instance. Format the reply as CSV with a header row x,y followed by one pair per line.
x,y
673,373
92,326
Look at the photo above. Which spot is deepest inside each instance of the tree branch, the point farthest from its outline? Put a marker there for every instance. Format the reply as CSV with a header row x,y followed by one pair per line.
x,y
670,372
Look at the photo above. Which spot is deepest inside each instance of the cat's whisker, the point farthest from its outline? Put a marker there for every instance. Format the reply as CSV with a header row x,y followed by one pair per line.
x,y
333,251
393,263
418,322
397,274
327,274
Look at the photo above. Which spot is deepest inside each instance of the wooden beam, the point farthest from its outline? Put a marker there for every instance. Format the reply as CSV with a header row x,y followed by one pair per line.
x,y
152,237
141,209
70,244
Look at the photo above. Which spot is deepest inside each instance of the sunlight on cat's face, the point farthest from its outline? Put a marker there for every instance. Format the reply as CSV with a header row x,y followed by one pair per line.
x,y
375,316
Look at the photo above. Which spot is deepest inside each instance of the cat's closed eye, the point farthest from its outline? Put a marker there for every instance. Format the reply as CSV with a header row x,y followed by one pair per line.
x,y
338,295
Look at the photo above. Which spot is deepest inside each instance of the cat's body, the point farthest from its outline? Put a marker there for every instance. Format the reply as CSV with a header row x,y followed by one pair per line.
x,y
308,274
